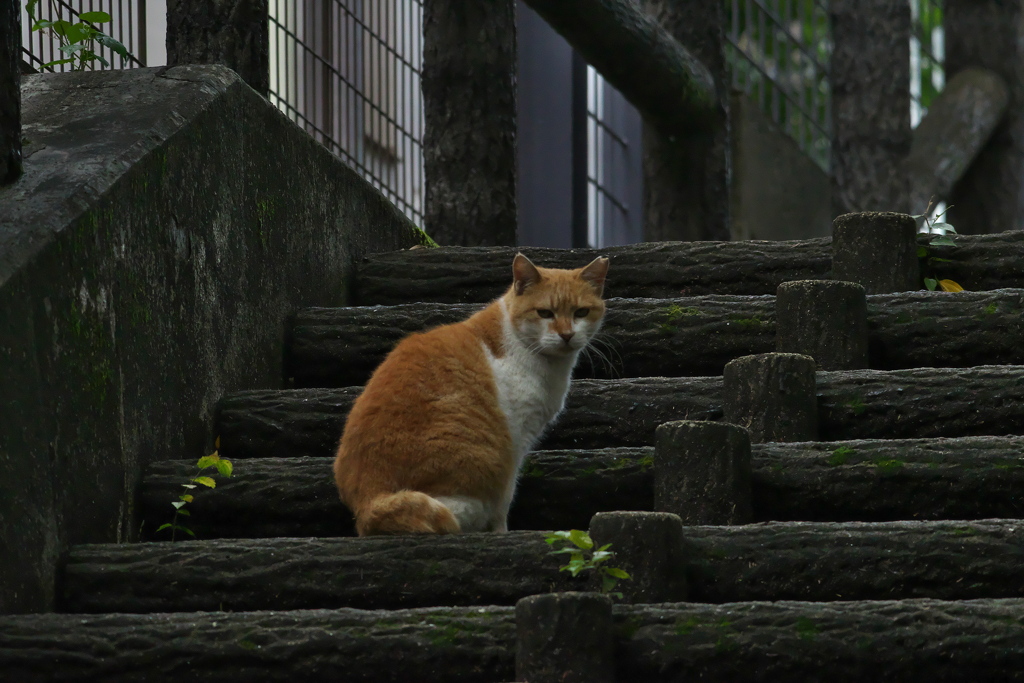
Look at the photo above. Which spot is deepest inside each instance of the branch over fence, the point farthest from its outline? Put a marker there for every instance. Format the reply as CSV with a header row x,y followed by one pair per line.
x,y
660,77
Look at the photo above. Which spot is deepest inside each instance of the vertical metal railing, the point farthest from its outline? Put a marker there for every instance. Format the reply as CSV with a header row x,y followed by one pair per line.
x,y
606,204
927,54
127,25
348,72
778,53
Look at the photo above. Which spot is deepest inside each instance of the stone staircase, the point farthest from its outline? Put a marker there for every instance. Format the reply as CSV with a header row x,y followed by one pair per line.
x,y
891,547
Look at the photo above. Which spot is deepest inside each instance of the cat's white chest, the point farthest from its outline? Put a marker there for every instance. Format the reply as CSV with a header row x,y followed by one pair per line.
x,y
531,393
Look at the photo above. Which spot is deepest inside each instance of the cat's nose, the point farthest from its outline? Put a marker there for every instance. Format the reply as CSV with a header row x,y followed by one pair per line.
x,y
566,336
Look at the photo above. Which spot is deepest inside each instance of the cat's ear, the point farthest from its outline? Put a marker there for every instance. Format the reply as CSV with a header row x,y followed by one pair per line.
x,y
595,273
524,273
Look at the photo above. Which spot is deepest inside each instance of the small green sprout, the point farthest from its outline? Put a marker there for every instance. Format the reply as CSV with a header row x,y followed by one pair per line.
x,y
223,467
578,545
77,40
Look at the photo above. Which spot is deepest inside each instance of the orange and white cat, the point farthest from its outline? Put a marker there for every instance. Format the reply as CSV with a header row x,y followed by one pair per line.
x,y
436,440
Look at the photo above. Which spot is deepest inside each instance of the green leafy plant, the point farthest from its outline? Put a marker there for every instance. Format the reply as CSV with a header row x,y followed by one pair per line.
x,y
223,467
584,557
939,232
77,40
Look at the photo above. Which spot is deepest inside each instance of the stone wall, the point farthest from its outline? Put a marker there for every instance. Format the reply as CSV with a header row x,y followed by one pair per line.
x,y
168,223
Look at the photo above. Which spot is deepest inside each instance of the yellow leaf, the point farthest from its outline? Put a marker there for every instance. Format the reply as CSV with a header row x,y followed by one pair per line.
x,y
216,444
206,481
950,286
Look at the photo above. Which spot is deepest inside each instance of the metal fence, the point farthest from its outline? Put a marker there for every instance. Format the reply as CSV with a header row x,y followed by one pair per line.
x,y
348,72
613,166
128,24
779,52
927,54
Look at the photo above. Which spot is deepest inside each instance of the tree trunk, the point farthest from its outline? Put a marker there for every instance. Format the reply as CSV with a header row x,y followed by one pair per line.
x,y
687,168
989,34
235,33
469,110
870,80
954,131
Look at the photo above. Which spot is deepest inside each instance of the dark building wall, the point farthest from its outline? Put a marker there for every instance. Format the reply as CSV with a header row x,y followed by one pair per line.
x,y
544,152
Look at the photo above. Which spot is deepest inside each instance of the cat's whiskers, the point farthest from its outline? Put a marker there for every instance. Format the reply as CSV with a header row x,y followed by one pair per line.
x,y
607,356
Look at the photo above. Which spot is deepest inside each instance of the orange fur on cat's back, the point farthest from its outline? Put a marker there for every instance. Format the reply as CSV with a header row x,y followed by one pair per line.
x,y
435,441
432,408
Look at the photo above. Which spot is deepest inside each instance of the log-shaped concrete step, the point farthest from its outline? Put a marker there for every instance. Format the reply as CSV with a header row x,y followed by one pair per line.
x,y
445,645
768,561
843,642
665,269
694,336
880,480
856,404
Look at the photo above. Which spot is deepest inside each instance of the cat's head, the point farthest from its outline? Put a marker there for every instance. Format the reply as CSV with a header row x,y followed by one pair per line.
x,y
556,312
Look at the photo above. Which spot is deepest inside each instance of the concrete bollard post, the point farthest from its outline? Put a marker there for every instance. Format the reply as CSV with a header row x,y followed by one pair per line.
x,y
773,395
565,638
702,472
824,319
876,250
650,547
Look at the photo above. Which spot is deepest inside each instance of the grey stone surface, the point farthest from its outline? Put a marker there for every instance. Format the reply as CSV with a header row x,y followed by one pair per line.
x,y
668,269
959,122
687,167
469,119
869,76
235,33
778,192
852,404
824,319
988,34
639,337
773,396
149,258
444,645
846,642
649,547
868,480
386,572
876,250
702,472
842,642
10,92
565,637
950,560
947,560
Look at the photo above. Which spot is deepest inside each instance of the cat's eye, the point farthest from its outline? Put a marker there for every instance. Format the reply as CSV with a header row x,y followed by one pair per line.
x,y
545,313
582,312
